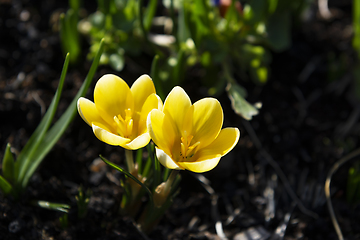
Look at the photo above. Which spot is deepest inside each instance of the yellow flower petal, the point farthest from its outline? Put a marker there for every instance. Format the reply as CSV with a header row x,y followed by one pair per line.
x,y
176,105
88,111
162,130
202,166
207,121
112,96
152,102
138,142
141,89
104,134
165,160
224,143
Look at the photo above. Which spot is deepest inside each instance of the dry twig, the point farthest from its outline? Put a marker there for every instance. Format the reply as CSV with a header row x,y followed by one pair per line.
x,y
334,168
277,169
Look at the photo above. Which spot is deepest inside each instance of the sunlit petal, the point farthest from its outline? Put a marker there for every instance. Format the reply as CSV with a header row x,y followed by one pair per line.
x,y
88,111
104,134
152,102
141,89
165,160
162,130
176,106
202,166
224,143
138,142
188,122
207,120
112,96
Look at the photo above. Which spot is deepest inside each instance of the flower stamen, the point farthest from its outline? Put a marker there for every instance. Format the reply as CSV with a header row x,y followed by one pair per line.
x,y
187,150
124,127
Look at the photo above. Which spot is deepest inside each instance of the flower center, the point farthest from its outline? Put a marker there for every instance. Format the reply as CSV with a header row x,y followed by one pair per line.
x,y
124,127
187,150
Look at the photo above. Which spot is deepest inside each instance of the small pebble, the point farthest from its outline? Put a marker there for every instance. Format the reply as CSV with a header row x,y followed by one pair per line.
x,y
14,226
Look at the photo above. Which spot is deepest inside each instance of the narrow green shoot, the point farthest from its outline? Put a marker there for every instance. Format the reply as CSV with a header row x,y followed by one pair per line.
x,y
122,170
82,200
16,174
60,207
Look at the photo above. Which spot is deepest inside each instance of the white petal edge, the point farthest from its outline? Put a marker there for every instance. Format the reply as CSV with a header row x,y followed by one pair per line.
x,y
138,142
112,139
79,109
166,160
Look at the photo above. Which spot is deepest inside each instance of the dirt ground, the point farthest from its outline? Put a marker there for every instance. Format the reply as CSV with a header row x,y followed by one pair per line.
x,y
308,121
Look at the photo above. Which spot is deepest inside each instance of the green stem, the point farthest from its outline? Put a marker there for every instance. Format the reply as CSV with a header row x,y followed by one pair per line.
x,y
129,160
141,19
162,200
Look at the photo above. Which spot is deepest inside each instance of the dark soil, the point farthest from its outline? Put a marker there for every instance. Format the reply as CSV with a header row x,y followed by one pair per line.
x,y
309,120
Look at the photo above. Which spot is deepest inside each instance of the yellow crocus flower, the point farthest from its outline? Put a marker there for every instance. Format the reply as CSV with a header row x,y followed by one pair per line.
x,y
190,136
118,114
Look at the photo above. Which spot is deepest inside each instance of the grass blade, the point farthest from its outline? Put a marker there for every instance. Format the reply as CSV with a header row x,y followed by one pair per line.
x,y
61,125
28,153
5,186
149,14
8,165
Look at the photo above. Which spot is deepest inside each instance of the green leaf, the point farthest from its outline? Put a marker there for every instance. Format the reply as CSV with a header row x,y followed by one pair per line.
x,y
75,4
5,186
155,77
147,167
232,15
272,5
61,125
61,207
69,34
8,165
178,73
156,165
122,170
149,14
82,200
259,10
64,222
353,184
28,153
241,107
139,159
104,6
183,30
278,28
356,26
166,174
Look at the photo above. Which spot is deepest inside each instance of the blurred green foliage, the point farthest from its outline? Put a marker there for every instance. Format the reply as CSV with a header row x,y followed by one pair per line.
x,y
69,34
353,184
356,45
117,21
204,35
